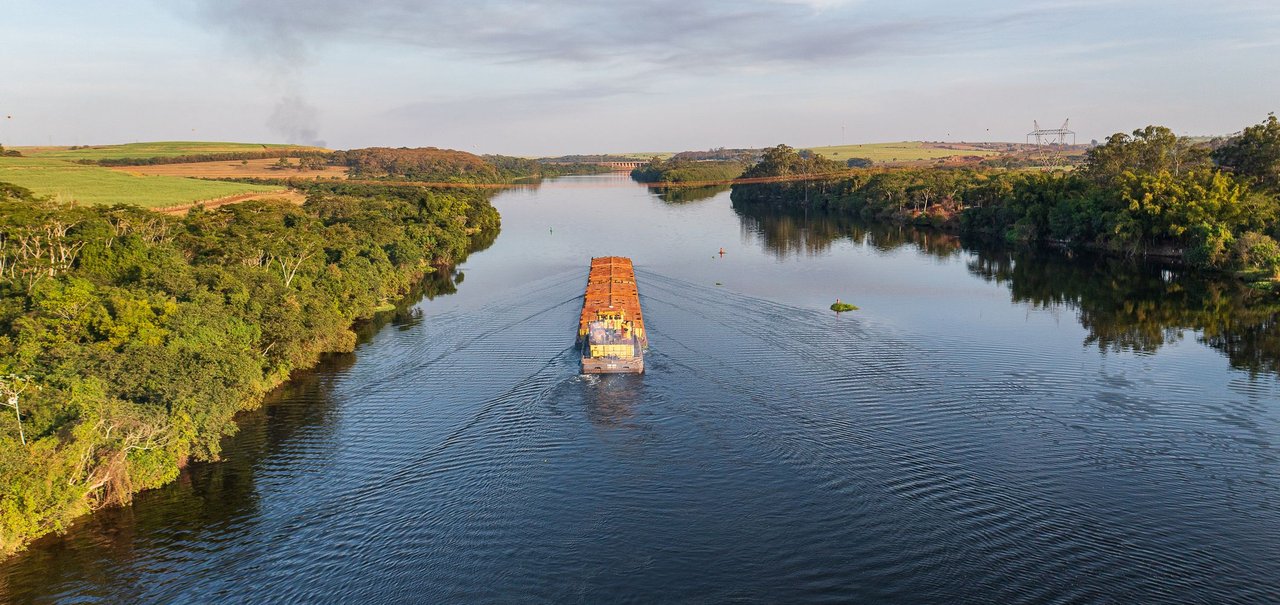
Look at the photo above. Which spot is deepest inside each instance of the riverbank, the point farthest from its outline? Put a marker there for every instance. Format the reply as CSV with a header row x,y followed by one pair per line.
x,y
973,379
1150,195
133,345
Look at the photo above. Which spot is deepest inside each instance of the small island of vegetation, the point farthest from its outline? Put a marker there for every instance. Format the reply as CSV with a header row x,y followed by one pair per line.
x,y
842,307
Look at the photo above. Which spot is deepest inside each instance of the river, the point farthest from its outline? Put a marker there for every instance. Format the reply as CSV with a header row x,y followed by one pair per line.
x,y
991,426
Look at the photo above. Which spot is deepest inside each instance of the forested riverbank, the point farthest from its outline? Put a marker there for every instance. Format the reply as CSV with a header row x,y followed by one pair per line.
x,y
688,171
1213,205
129,340
450,166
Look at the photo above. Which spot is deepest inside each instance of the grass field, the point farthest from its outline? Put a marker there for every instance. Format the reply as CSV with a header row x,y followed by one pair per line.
x,y
95,185
160,149
905,151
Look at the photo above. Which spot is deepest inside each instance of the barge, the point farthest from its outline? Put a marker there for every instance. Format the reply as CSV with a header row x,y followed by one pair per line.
x,y
611,328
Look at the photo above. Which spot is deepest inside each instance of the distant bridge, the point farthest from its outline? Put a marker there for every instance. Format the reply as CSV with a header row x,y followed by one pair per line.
x,y
628,165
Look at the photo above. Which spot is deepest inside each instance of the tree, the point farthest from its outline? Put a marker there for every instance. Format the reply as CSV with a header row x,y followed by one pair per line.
x,y
1147,151
784,160
1254,153
1257,251
311,162
11,388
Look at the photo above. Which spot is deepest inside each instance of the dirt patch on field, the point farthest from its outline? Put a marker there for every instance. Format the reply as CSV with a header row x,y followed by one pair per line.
x,y
236,169
291,195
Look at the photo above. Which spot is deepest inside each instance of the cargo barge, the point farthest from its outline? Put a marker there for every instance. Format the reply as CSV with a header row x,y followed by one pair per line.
x,y
611,329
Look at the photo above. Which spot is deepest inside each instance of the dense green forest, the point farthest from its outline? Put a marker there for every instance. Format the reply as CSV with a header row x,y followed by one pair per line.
x,y
1146,193
746,156
449,166
687,171
513,168
129,340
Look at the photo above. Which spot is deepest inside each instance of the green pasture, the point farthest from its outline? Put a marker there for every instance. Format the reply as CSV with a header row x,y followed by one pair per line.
x,y
160,149
904,151
68,181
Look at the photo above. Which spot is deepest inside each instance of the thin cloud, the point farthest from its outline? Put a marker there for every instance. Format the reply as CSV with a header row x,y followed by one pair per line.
x,y
663,32
531,104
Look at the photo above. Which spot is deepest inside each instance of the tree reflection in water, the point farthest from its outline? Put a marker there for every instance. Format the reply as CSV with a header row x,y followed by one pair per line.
x,y
1125,304
686,195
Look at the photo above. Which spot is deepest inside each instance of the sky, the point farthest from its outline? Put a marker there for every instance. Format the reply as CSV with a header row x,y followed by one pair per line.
x,y
555,77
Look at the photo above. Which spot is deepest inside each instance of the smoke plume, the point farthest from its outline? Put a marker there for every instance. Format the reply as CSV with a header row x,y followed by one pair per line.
x,y
277,45
295,119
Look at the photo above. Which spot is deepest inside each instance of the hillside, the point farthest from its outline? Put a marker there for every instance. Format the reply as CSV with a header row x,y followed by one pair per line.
x,y
156,149
94,185
904,151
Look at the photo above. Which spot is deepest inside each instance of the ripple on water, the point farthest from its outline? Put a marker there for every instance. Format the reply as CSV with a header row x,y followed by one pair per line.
x,y
770,454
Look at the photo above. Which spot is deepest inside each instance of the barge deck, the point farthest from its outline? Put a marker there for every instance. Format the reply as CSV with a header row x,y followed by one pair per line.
x,y
611,327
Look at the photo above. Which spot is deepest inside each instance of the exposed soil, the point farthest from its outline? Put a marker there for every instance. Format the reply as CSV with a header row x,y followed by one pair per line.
x,y
235,169
291,195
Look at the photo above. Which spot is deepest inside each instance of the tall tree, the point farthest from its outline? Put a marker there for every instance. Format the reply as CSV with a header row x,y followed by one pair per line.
x,y
1254,153
1148,150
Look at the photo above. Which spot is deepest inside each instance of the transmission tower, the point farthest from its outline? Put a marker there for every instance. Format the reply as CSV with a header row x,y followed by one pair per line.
x,y
1051,136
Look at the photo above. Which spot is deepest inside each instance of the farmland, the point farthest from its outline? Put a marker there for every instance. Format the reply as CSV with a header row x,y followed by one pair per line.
x,y
234,169
903,151
158,149
96,185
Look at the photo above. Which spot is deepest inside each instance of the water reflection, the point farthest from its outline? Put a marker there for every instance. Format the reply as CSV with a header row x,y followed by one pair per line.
x,y
685,195
1125,304
1128,305
808,232
208,501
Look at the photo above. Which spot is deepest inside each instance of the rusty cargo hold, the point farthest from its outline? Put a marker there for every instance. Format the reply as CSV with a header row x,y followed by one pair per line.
x,y
611,329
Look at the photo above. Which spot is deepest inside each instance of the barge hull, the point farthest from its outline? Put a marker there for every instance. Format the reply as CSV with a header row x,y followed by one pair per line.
x,y
601,365
611,327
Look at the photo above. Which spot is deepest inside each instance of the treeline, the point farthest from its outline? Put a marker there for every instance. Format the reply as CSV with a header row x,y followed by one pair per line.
x,y
588,159
431,164
687,171
786,161
129,339
1146,193
417,164
265,154
721,154
512,168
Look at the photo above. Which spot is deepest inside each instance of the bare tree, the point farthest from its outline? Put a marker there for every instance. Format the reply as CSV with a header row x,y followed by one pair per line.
x,y
11,388
31,254
290,263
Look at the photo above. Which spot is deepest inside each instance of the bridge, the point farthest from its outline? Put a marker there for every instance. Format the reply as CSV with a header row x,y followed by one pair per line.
x,y
627,165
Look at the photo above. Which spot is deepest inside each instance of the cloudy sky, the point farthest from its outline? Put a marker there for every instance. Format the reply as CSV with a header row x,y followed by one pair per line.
x,y
562,76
